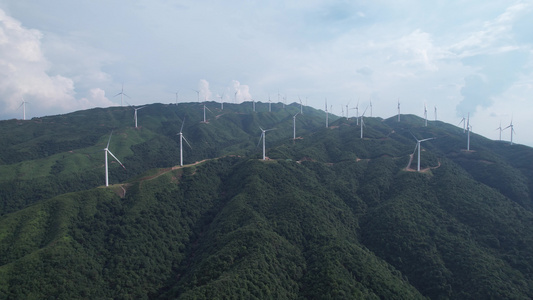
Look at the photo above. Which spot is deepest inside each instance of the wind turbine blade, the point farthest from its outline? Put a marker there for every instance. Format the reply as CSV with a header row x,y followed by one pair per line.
x,y
426,139
140,107
296,114
186,141
126,95
415,149
414,136
506,127
208,109
261,137
270,129
116,159
108,141
183,122
117,94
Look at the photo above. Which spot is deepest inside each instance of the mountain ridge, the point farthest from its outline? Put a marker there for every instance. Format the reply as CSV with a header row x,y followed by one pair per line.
x,y
329,215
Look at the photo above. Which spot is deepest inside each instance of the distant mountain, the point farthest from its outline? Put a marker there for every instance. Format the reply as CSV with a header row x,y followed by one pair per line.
x,y
329,215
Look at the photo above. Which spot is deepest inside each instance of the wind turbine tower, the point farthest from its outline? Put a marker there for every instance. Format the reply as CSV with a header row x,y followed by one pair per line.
x,y
512,130
327,114
23,104
182,138
425,115
106,149
263,137
205,107
222,102
121,95
294,126
418,142
135,114
398,109
468,127
363,122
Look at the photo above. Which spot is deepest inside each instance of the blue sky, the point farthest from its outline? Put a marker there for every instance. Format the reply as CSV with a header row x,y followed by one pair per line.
x,y
461,56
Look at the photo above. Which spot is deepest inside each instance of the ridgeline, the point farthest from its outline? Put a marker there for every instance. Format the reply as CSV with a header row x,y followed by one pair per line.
x,y
328,215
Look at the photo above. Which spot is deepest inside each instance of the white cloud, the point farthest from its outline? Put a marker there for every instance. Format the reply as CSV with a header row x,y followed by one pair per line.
x,y
241,92
25,73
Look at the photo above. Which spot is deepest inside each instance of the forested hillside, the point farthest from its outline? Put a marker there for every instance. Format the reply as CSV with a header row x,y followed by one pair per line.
x,y
329,215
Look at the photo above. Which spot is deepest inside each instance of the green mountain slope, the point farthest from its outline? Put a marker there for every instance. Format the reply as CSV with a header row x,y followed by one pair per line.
x,y
328,216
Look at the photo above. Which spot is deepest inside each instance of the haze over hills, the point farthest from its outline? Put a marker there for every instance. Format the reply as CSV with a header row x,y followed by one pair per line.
x,y
329,215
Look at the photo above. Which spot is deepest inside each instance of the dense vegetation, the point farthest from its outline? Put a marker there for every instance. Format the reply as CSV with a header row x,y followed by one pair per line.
x,y
329,216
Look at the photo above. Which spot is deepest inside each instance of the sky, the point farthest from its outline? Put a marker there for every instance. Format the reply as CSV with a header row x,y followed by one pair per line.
x,y
461,57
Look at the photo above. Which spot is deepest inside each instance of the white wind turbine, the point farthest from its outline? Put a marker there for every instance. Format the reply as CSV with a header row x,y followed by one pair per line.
x,y
106,149
327,114
347,109
197,94
122,94
357,112
512,130
205,107
500,128
294,126
182,138
263,137
363,121
463,120
418,142
135,114
425,115
398,109
222,102
468,128
177,93
23,104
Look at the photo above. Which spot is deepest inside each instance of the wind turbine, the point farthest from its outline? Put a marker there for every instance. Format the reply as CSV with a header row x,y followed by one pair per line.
x,y
197,94
106,149
135,114
468,127
357,112
425,115
177,97
263,136
182,138
327,114
512,130
347,109
205,107
463,120
500,128
294,126
222,102
363,122
121,95
398,109
418,146
23,104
